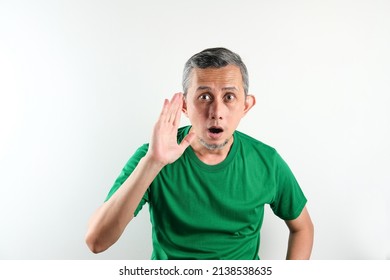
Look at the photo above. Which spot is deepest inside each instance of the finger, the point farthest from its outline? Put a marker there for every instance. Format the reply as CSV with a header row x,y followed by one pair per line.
x,y
164,112
164,109
173,106
187,141
177,116
167,108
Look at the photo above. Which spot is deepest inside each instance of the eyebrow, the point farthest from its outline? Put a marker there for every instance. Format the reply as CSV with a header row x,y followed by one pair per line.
x,y
209,88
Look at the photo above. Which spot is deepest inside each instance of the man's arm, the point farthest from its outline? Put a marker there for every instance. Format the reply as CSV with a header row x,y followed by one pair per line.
x,y
300,242
109,221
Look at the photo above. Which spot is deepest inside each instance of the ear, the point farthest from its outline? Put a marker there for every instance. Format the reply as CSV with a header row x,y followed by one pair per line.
x,y
250,101
184,107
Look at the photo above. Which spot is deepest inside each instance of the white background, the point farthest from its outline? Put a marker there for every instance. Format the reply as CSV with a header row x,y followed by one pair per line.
x,y
82,83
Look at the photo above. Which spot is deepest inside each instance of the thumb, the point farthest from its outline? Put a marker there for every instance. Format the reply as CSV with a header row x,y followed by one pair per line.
x,y
187,140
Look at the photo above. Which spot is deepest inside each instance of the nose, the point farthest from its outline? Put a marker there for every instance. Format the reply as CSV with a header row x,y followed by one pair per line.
x,y
216,110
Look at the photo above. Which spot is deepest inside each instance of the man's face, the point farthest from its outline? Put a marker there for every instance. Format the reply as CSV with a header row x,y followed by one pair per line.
x,y
215,103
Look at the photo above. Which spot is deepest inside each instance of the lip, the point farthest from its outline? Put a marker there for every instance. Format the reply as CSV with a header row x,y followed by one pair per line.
x,y
215,132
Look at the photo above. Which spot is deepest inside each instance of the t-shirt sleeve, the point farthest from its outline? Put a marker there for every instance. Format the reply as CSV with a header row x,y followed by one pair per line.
x,y
289,199
125,173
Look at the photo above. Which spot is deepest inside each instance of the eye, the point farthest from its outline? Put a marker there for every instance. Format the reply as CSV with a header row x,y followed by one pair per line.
x,y
205,97
229,97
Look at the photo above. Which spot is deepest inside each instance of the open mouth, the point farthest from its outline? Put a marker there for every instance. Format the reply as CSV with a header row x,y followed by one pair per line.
x,y
215,130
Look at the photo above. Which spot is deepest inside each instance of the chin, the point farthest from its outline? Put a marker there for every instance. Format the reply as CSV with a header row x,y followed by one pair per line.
x,y
214,146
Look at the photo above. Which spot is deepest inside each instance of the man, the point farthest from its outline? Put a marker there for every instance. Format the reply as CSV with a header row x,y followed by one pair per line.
x,y
206,184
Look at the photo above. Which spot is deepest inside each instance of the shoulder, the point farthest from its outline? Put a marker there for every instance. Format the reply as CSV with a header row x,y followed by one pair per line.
x,y
248,142
136,157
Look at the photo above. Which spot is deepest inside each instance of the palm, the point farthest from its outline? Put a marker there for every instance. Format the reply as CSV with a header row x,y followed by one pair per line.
x,y
163,146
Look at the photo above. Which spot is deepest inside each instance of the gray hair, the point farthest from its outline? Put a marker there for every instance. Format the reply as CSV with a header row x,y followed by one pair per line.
x,y
214,58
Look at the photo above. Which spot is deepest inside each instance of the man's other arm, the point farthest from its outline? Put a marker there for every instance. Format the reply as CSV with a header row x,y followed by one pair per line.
x,y
301,237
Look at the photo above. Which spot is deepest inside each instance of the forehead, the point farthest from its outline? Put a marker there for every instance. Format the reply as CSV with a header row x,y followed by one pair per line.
x,y
224,76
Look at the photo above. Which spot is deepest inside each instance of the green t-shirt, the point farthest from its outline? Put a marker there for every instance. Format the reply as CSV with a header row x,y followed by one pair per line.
x,y
201,211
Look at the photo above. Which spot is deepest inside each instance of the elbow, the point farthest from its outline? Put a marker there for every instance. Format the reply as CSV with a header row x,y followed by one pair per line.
x,y
310,229
93,243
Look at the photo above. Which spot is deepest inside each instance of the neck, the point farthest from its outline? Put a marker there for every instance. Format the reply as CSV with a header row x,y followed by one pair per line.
x,y
211,156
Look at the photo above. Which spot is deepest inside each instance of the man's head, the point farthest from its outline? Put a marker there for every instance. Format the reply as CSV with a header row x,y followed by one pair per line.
x,y
215,83
214,58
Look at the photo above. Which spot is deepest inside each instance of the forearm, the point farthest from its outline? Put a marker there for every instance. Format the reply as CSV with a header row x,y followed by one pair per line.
x,y
300,244
109,221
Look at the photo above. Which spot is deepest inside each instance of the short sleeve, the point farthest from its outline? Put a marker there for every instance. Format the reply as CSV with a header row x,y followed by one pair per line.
x,y
289,199
125,173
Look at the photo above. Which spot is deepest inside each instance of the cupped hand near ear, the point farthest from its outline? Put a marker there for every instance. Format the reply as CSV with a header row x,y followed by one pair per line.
x,y
163,146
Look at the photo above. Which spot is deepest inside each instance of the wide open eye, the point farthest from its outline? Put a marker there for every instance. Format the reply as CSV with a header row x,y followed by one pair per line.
x,y
229,97
205,97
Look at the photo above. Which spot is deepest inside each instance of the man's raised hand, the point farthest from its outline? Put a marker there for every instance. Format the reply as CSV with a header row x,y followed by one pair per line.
x,y
163,147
